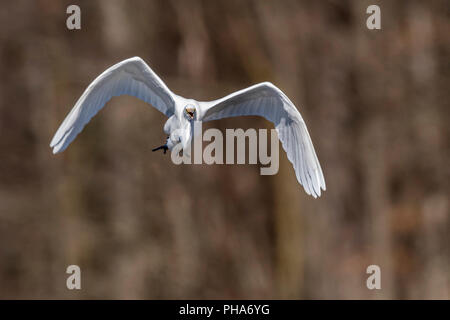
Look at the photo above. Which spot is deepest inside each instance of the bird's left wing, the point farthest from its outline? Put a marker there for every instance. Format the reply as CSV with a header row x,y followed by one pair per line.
x,y
267,101
132,77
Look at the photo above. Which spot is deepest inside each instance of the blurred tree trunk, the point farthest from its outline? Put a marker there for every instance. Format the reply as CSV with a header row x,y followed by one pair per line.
x,y
288,215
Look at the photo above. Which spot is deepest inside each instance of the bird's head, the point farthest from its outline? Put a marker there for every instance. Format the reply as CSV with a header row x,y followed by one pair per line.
x,y
190,112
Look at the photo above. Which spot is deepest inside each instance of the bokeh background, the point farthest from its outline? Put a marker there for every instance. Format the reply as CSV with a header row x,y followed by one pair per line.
x,y
376,104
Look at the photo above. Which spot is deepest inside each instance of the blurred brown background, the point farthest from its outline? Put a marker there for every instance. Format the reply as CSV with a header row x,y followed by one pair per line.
x,y
376,104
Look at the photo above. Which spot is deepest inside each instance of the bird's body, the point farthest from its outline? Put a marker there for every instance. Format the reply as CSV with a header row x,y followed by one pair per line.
x,y
134,77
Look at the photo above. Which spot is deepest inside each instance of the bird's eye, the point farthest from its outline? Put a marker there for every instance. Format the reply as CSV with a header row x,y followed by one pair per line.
x,y
190,113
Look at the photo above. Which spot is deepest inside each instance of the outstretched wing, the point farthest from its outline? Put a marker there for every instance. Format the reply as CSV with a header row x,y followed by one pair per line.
x,y
132,77
267,101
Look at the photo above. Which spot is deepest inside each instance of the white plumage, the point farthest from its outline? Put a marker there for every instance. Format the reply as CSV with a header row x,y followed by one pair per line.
x,y
134,77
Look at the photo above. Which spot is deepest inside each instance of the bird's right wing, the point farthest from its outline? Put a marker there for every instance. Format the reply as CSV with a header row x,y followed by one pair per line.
x,y
132,77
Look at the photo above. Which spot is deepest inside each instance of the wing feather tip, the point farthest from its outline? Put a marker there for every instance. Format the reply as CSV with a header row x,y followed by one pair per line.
x,y
55,150
54,142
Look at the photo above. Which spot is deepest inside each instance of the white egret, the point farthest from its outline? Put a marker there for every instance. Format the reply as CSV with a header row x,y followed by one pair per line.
x,y
134,77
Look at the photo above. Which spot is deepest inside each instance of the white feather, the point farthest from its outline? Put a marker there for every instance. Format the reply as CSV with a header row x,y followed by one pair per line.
x,y
134,77
267,101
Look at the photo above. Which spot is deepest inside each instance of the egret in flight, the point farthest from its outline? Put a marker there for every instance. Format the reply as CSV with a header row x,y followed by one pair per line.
x,y
134,77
